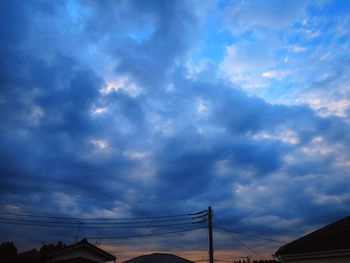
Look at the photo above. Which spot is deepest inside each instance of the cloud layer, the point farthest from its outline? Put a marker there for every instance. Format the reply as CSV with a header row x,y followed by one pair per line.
x,y
125,108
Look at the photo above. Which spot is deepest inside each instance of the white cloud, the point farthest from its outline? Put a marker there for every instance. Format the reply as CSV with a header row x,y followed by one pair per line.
x,y
124,83
202,107
245,63
136,155
322,198
274,14
275,74
287,136
162,125
100,144
298,49
98,110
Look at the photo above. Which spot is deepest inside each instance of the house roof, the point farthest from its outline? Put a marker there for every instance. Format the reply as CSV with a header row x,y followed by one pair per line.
x,y
52,251
158,258
84,244
335,236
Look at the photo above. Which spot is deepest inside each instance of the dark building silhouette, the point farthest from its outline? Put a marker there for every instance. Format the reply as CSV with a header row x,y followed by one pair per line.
x,y
327,244
158,258
81,252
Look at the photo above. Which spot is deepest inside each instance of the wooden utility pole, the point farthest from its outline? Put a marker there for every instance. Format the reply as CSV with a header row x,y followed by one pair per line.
x,y
210,230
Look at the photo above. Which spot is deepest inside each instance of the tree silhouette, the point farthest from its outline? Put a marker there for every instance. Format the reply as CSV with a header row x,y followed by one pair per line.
x,y
51,248
7,249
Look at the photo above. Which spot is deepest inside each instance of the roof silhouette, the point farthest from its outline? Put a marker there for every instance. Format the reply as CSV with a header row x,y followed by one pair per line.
x,y
158,258
84,244
49,251
334,236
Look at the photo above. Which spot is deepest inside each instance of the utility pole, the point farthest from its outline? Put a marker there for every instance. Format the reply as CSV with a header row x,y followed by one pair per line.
x,y
210,231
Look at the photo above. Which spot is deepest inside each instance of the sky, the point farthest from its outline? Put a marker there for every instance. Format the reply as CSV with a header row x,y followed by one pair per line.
x,y
119,109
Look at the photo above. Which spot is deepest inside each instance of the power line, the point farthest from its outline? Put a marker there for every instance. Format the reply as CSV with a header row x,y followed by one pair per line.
x,y
246,246
147,235
119,218
96,227
241,242
98,223
249,235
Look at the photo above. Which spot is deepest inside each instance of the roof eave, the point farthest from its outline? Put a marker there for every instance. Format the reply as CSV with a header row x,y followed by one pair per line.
x,y
316,254
106,256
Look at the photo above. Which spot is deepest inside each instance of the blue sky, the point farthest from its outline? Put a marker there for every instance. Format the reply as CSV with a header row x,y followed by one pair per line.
x,y
127,108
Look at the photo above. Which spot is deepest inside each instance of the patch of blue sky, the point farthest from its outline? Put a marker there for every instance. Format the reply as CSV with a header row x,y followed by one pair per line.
x,y
326,36
214,41
332,8
222,4
142,33
76,11
280,88
72,18
320,26
251,34
213,46
343,40
308,36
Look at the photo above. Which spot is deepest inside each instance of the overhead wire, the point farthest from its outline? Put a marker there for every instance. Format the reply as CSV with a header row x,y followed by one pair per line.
x,y
135,223
249,235
102,223
81,225
116,223
239,241
116,218
82,222
145,235
16,219
253,236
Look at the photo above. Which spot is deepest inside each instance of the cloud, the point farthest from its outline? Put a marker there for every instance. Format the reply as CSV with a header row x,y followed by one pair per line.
x,y
103,115
272,14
